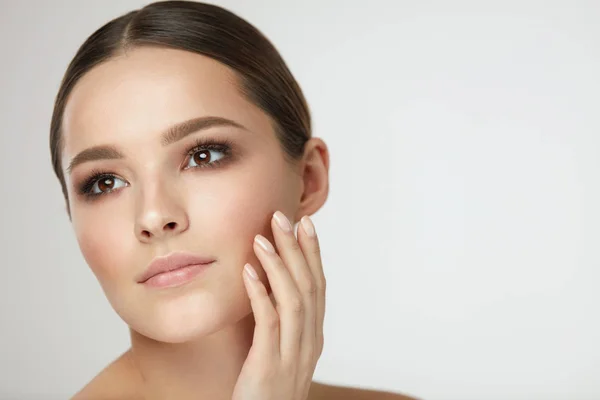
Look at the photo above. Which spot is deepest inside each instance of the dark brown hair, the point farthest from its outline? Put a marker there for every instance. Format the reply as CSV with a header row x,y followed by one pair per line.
x,y
204,29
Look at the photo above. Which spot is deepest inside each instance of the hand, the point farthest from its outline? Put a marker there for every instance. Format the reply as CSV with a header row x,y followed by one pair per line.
x,y
288,337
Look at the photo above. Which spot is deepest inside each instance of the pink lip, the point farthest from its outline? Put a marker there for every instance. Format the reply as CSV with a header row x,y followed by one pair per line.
x,y
174,268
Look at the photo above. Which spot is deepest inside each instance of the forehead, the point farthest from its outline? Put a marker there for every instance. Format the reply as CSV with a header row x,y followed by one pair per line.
x,y
133,96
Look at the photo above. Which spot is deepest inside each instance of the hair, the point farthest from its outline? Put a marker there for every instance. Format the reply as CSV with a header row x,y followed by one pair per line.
x,y
205,29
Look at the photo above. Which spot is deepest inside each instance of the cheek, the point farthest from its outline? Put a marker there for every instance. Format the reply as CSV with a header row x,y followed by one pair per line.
x,y
234,212
101,238
238,207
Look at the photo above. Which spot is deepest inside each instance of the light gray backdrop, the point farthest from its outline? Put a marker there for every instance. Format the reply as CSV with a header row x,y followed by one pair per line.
x,y
461,236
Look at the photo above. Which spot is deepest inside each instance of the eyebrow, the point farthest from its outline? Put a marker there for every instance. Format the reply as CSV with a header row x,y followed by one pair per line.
x,y
171,135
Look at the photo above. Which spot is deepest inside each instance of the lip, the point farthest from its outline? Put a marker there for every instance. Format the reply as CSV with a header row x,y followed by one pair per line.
x,y
173,262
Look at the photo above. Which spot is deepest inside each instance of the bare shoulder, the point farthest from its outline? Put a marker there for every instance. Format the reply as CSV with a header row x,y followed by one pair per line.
x,y
116,381
321,391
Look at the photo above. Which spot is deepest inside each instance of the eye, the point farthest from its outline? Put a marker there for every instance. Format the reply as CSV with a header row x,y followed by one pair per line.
x,y
105,184
207,155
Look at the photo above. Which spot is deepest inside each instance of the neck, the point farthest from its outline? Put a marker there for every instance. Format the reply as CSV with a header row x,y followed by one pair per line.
x,y
206,368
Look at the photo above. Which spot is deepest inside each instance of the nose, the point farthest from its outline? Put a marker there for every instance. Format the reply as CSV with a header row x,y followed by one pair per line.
x,y
160,214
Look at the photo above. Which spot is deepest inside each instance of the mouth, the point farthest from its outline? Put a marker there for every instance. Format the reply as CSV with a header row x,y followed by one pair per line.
x,y
176,277
174,269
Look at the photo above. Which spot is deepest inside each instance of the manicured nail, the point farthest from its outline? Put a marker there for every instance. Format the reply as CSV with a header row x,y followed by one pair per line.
x,y
264,243
308,226
250,271
282,221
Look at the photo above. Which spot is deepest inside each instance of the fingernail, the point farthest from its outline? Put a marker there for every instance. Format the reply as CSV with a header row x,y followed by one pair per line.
x,y
250,271
282,221
264,243
308,226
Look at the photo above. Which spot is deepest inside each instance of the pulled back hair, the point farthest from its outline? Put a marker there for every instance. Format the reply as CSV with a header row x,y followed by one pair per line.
x,y
205,29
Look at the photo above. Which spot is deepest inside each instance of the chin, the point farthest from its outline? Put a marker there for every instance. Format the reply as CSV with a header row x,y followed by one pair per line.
x,y
175,334
183,320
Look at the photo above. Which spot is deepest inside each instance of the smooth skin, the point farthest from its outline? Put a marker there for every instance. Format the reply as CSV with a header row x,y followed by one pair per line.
x,y
219,336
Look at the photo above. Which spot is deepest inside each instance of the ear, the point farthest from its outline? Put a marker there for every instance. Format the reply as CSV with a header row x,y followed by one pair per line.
x,y
315,177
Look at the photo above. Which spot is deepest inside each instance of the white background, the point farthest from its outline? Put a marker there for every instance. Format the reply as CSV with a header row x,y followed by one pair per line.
x,y
461,235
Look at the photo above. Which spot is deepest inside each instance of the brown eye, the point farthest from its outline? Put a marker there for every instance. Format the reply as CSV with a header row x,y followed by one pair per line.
x,y
201,156
206,157
106,184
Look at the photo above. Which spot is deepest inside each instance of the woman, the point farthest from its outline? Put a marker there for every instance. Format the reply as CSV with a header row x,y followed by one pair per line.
x,y
183,143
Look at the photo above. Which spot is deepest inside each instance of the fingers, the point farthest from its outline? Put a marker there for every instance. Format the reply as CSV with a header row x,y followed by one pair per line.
x,y
266,331
295,275
290,252
290,305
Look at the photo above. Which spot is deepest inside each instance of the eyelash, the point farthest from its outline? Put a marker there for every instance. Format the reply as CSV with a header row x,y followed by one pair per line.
x,y
204,143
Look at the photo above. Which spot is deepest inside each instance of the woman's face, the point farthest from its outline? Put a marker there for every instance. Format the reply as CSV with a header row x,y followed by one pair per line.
x,y
160,198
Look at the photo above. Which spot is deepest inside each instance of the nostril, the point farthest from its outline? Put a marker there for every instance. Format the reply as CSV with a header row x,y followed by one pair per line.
x,y
171,225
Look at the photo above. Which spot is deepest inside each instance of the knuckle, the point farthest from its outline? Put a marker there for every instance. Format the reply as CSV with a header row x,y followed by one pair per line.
x,y
294,245
280,263
297,305
316,248
320,289
310,287
273,321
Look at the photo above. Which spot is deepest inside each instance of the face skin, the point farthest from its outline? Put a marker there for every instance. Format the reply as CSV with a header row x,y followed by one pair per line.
x,y
164,200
